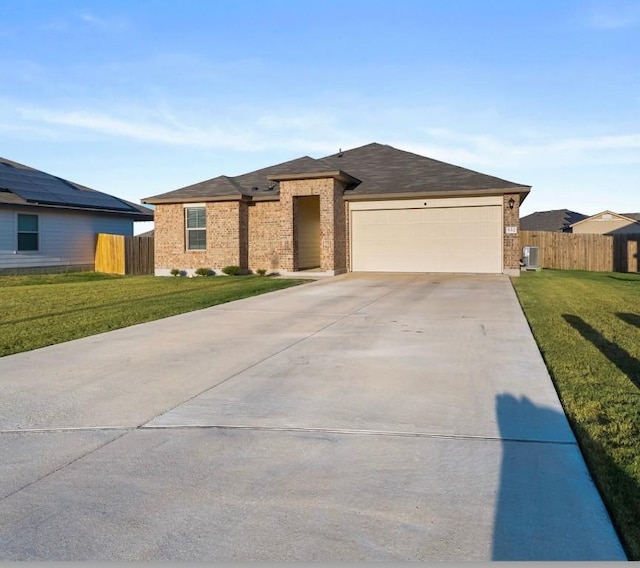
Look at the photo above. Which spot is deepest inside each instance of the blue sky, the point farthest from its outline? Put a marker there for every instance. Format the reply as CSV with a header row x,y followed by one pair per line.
x,y
139,97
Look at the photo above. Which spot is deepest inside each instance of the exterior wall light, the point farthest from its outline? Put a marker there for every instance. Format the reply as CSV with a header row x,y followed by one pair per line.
x,y
512,202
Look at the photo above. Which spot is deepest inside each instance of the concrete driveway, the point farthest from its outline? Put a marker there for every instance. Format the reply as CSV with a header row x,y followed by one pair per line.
x,y
362,417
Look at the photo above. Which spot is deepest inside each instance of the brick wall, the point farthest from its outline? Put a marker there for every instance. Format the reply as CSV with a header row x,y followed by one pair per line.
x,y
347,236
264,235
332,224
340,256
227,226
168,236
511,242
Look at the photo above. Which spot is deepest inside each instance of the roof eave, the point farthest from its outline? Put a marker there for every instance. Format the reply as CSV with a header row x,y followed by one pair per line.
x,y
523,191
271,197
335,174
134,215
191,199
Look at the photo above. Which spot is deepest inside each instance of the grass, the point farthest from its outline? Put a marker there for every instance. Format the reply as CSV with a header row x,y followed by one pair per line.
x,y
40,310
587,326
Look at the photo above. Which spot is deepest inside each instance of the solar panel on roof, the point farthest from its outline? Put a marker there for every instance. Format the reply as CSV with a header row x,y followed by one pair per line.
x,y
39,187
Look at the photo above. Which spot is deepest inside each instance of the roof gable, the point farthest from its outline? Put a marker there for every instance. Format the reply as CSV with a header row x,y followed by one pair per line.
x,y
608,215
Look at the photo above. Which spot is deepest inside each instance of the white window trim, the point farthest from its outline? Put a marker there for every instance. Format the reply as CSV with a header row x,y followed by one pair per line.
x,y
187,228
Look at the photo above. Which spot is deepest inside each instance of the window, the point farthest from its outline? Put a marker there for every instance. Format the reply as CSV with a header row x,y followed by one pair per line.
x,y
196,228
27,232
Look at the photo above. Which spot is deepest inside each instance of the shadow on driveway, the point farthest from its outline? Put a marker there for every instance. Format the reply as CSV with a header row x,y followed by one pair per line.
x,y
547,506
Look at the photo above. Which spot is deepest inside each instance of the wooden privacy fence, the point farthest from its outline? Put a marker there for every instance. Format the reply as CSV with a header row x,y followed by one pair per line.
x,y
598,253
117,254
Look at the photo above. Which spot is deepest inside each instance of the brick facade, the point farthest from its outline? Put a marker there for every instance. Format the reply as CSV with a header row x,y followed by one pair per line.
x,y
263,234
511,242
227,232
332,223
255,235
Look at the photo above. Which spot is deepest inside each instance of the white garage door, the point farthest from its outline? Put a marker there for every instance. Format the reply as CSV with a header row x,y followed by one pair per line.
x,y
449,239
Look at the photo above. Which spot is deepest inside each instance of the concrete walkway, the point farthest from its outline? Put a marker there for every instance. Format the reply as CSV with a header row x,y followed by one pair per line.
x,y
361,417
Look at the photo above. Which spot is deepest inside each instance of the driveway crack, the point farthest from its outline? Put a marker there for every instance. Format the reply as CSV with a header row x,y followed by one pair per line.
x,y
64,465
356,432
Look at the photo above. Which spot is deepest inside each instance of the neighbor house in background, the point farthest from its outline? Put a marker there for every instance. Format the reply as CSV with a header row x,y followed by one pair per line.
x,y
373,208
609,223
557,220
48,223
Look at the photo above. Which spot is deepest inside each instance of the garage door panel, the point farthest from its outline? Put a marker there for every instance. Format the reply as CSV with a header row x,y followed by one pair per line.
x,y
454,239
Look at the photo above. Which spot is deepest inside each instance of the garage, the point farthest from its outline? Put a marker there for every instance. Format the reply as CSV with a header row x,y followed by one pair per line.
x,y
370,209
449,235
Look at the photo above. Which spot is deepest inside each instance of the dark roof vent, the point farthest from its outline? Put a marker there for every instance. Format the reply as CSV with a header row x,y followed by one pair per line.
x,y
340,153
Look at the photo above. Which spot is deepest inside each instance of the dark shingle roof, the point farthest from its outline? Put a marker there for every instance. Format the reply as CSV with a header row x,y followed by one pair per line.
x,y
387,170
258,179
556,220
634,216
246,184
221,186
25,186
378,169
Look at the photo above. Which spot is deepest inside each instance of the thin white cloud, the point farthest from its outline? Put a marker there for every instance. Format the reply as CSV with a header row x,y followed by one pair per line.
x,y
103,24
67,23
319,132
174,133
620,142
246,130
614,14
492,151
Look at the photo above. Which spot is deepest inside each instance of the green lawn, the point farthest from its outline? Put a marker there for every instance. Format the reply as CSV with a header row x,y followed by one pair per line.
x,y
587,326
40,310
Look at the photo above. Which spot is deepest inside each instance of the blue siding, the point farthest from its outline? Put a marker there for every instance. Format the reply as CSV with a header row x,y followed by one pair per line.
x,y
67,238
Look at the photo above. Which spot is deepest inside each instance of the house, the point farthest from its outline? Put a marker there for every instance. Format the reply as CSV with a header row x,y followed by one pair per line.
x,y
609,223
372,208
557,220
50,224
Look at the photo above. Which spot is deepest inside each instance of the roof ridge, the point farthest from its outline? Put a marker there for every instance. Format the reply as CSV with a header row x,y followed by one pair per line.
x,y
232,181
275,166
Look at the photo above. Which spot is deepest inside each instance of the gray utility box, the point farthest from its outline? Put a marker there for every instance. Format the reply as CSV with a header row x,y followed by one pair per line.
x,y
531,257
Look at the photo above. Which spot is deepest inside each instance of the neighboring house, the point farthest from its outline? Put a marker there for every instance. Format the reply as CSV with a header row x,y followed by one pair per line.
x,y
373,208
48,223
609,223
557,220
